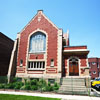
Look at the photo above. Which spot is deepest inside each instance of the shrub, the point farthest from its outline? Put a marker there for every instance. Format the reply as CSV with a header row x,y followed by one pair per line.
x,y
18,85
56,86
27,87
2,86
3,79
49,88
22,88
42,83
33,82
34,87
10,86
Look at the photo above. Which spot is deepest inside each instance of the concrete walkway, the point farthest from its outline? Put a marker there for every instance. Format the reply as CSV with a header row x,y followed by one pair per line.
x,y
63,97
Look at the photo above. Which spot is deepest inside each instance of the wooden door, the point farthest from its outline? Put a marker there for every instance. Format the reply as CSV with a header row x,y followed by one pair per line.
x,y
73,68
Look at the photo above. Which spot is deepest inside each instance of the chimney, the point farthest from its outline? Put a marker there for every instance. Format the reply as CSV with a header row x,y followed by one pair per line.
x,y
67,42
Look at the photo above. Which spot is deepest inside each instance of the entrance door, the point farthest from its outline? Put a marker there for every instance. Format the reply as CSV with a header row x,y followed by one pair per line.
x,y
73,67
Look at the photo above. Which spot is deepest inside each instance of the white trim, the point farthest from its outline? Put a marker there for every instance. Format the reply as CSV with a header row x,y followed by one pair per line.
x,y
87,62
59,52
94,72
35,17
11,60
27,52
76,50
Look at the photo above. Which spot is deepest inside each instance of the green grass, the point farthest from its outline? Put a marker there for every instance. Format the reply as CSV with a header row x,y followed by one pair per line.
x,y
22,97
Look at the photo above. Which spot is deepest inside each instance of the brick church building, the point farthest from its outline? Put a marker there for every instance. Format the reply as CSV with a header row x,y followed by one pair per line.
x,y
42,50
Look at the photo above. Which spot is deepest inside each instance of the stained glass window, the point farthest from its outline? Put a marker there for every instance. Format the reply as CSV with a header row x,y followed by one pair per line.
x,y
37,42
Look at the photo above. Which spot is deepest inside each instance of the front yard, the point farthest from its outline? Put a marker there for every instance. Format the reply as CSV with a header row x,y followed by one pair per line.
x,y
21,97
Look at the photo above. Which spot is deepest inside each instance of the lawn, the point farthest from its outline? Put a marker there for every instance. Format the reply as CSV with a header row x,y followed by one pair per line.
x,y
21,97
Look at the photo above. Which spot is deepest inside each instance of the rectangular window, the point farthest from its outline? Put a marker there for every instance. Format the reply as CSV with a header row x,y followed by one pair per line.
x,y
36,65
89,65
98,65
52,81
21,63
52,63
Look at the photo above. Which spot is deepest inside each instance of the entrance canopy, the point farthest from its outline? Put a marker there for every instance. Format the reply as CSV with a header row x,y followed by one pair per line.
x,y
75,50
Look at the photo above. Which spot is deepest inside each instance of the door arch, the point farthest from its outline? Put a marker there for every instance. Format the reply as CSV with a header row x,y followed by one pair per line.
x,y
73,67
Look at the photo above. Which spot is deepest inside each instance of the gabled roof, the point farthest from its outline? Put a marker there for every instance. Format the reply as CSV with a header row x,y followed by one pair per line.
x,y
40,12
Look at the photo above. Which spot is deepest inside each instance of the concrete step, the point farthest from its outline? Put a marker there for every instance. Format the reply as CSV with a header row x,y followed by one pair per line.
x,y
70,85
74,92
73,85
73,82
72,89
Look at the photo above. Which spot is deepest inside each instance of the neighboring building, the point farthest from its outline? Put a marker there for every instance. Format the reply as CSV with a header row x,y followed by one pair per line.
x,y
43,51
94,67
6,46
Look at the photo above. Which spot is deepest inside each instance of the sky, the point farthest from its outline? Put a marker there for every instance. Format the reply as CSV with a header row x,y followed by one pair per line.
x,y
80,17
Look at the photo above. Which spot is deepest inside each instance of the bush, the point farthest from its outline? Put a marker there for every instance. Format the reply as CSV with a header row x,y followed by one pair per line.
x,y
3,79
49,88
33,82
22,88
27,87
10,86
56,86
34,87
42,83
2,86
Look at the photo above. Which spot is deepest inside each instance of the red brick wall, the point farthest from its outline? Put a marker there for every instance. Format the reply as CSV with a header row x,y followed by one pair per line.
x,y
94,67
82,58
52,40
83,62
36,56
75,47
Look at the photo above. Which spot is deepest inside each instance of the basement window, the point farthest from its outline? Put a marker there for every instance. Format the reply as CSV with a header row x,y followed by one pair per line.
x,y
52,81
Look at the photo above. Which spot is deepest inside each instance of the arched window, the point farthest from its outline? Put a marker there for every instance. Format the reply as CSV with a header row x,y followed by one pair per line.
x,y
37,42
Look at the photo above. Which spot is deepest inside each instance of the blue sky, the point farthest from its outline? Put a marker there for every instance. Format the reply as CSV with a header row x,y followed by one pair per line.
x,y
81,17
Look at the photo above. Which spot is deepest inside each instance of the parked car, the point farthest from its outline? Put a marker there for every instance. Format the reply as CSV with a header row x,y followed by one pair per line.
x,y
97,86
95,82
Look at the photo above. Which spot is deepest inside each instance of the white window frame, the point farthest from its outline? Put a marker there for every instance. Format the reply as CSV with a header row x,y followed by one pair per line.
x,y
94,72
37,43
93,63
36,65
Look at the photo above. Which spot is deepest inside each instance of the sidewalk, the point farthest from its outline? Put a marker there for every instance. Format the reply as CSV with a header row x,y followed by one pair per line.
x,y
63,97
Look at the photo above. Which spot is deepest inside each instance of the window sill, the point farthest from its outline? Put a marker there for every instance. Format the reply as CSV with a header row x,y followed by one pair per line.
x,y
39,69
41,52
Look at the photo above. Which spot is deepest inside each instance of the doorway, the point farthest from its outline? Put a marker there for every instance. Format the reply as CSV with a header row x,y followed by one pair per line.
x,y
73,67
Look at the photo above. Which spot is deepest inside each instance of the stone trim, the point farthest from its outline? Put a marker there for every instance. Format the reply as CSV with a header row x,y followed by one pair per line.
x,y
27,53
18,36
59,52
75,50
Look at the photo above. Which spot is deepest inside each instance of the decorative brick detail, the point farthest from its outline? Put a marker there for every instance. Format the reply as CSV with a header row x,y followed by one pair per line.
x,y
36,56
82,71
20,70
83,62
34,72
51,31
51,70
